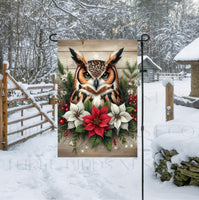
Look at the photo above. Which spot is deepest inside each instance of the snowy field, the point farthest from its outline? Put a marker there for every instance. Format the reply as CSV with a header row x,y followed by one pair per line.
x,y
32,171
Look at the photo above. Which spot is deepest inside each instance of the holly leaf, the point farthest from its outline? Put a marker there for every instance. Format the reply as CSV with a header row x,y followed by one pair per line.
x,y
108,133
88,106
108,143
129,109
80,129
95,140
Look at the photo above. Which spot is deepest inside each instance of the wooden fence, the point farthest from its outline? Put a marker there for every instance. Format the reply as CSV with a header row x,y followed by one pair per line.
x,y
178,76
31,98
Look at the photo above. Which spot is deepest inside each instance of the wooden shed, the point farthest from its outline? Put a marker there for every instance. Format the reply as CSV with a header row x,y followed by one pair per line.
x,y
189,55
151,67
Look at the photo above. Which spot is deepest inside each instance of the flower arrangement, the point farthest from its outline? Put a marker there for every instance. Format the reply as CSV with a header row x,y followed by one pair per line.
x,y
105,124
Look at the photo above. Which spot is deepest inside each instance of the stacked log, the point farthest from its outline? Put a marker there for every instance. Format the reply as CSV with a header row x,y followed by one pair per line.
x,y
185,173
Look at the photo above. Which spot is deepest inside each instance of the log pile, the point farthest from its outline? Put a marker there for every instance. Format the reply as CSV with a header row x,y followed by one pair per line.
x,y
185,173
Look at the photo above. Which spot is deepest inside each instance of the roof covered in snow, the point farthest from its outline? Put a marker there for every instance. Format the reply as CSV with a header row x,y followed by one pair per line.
x,y
145,57
189,53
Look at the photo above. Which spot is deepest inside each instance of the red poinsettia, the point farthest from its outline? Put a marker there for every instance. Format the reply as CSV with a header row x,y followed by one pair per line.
x,y
97,123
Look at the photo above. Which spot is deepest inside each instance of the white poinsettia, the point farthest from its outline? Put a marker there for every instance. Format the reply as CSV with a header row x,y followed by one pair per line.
x,y
75,114
120,117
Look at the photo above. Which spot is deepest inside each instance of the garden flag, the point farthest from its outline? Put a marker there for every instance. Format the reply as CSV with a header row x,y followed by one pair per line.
x,y
97,98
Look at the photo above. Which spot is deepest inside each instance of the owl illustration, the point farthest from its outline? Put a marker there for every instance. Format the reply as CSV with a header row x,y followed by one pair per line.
x,y
96,80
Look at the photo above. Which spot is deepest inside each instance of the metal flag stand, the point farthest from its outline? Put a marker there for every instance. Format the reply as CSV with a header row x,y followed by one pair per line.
x,y
144,38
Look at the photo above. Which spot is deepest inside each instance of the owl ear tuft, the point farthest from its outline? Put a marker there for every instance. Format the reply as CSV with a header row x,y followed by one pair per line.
x,y
113,59
77,58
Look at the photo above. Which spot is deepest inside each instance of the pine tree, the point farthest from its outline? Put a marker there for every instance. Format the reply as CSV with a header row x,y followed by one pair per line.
x,y
65,80
131,75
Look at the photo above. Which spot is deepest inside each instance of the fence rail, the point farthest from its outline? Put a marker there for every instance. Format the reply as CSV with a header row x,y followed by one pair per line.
x,y
173,76
30,97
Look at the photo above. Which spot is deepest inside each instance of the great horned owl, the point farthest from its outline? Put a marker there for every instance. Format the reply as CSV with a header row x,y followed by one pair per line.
x,y
96,80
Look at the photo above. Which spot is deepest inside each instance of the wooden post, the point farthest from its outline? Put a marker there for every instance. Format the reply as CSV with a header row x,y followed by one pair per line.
x,y
1,115
169,102
53,98
5,114
22,115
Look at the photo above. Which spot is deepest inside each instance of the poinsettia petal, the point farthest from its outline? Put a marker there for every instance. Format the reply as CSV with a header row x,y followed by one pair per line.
x,y
68,115
95,112
126,115
84,113
117,124
89,127
71,125
80,106
105,117
124,126
91,133
115,109
123,119
112,120
122,107
102,124
104,110
73,107
77,123
88,119
99,131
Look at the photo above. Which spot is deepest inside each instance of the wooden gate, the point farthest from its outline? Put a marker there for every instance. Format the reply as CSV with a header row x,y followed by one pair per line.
x,y
17,98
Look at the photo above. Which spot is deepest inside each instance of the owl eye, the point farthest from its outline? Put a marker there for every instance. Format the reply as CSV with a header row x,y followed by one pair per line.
x,y
87,75
105,75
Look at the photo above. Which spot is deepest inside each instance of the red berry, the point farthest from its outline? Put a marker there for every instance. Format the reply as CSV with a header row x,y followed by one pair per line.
x,y
68,131
114,142
130,103
61,121
134,102
66,105
134,110
131,114
130,99
62,108
66,134
66,109
136,107
63,118
135,119
66,121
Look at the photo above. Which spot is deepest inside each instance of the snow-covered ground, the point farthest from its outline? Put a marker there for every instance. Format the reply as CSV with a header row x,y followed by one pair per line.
x,y
31,170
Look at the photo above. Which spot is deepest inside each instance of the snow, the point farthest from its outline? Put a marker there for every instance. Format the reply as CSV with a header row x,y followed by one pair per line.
x,y
6,63
166,81
148,58
189,53
185,144
1,77
31,170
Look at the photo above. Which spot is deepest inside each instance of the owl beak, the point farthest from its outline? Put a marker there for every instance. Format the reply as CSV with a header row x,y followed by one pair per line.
x,y
96,83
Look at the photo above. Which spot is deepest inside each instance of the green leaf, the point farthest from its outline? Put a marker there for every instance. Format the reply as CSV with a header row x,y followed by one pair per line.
x,y
109,105
108,133
100,107
88,106
95,140
129,109
60,67
80,129
108,143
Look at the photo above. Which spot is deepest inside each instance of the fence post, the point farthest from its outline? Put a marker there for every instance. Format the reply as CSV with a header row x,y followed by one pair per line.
x,y
5,114
53,99
169,102
1,114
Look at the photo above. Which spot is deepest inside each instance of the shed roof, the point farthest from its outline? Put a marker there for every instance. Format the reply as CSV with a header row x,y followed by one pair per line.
x,y
189,54
145,57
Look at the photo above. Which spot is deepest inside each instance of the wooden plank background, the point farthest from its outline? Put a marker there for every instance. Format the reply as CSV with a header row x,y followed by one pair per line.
x,y
97,49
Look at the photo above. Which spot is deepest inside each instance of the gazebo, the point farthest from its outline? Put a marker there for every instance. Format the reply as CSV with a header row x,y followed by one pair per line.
x,y
189,55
